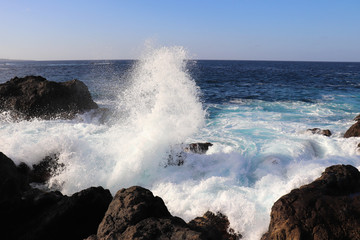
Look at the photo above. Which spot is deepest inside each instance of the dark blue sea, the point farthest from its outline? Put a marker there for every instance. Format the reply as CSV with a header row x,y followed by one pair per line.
x,y
255,113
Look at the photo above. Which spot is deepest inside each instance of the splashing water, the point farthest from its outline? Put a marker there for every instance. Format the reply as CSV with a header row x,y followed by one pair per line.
x,y
261,149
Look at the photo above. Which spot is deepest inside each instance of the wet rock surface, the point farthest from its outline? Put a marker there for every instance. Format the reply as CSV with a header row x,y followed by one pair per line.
x,y
30,213
36,97
199,148
328,208
325,132
135,213
214,227
353,131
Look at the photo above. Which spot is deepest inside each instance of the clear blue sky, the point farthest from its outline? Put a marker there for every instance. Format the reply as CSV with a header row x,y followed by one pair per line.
x,y
315,30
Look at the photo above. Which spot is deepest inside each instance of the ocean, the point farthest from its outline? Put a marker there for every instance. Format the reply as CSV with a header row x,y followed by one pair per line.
x,y
255,113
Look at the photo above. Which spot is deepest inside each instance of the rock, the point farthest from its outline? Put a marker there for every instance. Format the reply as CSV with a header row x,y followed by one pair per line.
x,y
178,154
50,215
199,148
47,168
214,227
135,213
13,181
32,214
357,118
353,131
36,97
328,208
325,132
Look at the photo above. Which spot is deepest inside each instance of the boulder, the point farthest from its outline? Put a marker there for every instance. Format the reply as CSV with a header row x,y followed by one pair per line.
x,y
325,132
36,97
135,213
51,215
214,227
328,208
31,214
353,131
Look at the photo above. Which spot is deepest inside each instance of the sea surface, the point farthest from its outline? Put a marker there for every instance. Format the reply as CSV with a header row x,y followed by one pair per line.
x,y
256,115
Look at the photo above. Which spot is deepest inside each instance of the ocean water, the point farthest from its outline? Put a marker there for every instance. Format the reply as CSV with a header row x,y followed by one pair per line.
x,y
255,113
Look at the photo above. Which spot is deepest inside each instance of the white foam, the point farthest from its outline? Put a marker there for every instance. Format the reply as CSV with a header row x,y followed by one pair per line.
x,y
260,151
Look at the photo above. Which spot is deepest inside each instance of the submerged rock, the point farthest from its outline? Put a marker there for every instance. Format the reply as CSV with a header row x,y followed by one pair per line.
x,y
178,154
32,214
328,208
36,97
199,148
325,132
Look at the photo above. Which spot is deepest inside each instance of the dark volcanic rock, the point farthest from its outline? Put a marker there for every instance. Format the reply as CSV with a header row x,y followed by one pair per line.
x,y
135,213
178,156
34,96
47,168
32,214
214,227
199,148
325,132
328,208
12,180
353,131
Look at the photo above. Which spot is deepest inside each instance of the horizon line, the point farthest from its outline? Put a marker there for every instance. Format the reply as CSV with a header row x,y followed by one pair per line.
x,y
238,60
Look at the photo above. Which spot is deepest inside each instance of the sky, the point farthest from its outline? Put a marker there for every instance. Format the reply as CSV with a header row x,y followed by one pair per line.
x,y
290,30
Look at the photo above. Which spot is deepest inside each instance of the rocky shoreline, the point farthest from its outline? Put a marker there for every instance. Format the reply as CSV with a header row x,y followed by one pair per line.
x,y
133,213
327,208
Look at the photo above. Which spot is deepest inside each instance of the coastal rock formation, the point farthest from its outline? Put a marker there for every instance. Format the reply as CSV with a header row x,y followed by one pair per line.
x,y
214,227
353,131
357,118
328,208
325,132
32,214
36,97
44,170
12,181
135,213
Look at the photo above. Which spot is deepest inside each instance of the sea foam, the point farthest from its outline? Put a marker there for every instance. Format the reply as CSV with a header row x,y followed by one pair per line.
x,y
260,151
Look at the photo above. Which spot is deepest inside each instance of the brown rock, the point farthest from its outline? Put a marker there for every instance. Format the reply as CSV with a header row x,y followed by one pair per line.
x,y
135,213
214,227
353,131
328,208
357,118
